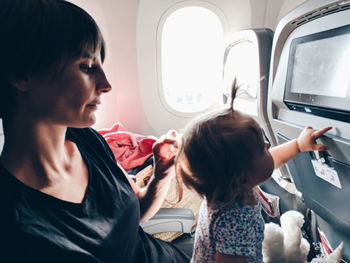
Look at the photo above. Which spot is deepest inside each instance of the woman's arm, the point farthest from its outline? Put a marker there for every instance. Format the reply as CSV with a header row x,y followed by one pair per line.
x,y
306,141
225,258
164,151
152,196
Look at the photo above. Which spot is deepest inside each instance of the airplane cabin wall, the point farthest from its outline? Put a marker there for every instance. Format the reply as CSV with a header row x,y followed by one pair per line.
x,y
235,15
287,6
117,20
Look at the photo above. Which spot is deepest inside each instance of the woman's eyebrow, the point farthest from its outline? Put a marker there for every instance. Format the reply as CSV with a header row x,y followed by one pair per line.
x,y
89,55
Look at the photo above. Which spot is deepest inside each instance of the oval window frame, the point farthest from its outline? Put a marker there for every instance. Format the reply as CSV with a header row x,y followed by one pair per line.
x,y
161,91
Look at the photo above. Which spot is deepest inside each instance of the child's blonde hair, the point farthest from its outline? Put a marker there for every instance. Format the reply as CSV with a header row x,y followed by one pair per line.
x,y
216,153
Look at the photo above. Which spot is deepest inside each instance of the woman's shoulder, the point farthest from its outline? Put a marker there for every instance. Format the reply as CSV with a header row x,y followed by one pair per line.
x,y
83,133
88,139
9,195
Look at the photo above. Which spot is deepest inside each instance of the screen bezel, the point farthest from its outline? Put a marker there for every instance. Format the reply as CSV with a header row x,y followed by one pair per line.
x,y
307,102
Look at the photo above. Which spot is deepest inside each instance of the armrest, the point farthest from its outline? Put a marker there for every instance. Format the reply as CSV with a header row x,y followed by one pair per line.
x,y
170,220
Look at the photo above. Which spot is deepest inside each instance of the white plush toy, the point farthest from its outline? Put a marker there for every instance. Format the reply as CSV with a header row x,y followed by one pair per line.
x,y
285,243
335,257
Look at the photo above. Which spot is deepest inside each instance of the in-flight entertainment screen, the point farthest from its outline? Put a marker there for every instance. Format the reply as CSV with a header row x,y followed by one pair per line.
x,y
318,74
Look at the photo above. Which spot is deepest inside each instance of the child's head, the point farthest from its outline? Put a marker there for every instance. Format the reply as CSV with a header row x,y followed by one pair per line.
x,y
223,155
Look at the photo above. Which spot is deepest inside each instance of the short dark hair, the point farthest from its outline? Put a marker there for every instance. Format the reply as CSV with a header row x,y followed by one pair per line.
x,y
37,35
218,149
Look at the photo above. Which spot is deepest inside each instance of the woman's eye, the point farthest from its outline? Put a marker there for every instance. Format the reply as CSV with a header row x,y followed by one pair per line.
x,y
87,68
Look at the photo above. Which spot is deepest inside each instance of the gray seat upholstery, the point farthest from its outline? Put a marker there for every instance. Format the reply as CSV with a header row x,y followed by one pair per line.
x,y
170,220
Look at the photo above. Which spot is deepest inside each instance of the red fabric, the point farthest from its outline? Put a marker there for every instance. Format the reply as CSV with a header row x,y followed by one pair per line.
x,y
130,149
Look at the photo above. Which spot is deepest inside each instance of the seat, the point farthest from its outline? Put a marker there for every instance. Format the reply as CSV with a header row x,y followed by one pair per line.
x,y
175,217
170,220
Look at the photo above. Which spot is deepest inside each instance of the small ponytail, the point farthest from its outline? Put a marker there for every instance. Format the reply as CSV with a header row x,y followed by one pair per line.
x,y
234,89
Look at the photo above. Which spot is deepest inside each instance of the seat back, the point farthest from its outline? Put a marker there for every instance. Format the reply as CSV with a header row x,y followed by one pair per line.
x,y
304,43
247,59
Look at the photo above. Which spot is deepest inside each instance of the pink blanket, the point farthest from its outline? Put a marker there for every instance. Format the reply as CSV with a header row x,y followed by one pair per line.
x,y
130,149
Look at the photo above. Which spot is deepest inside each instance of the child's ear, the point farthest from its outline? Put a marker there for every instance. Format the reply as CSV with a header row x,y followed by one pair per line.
x,y
22,84
246,184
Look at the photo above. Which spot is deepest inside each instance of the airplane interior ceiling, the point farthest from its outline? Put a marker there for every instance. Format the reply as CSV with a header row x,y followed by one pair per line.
x,y
130,31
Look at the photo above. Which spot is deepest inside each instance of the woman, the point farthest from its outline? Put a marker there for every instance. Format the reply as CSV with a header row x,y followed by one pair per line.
x,y
62,195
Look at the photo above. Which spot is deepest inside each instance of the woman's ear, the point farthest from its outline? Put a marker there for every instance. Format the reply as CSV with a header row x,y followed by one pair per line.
x,y
21,85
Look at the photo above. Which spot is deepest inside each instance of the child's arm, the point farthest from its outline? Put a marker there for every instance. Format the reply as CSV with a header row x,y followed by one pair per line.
x,y
225,258
306,141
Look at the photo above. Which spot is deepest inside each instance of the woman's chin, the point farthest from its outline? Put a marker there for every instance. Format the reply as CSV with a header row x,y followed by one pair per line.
x,y
86,122
90,122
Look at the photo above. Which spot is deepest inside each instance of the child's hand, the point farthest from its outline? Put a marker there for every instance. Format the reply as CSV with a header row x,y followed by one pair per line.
x,y
165,150
307,139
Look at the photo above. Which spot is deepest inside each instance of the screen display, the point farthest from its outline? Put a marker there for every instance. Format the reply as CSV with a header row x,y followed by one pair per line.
x,y
322,67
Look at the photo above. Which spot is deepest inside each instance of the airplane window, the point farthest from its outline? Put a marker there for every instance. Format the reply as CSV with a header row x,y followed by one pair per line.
x,y
242,63
192,46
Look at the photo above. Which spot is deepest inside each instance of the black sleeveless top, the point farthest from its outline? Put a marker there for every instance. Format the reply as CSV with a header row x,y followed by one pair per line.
x,y
104,227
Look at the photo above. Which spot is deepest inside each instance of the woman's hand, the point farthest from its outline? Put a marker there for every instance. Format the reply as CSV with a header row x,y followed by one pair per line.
x,y
307,139
165,150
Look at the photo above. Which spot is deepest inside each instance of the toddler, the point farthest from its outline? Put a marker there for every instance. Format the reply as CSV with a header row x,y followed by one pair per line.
x,y
224,156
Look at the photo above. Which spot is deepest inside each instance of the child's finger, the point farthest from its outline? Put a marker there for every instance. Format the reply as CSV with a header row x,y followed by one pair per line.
x,y
173,142
318,133
321,147
166,143
166,150
172,133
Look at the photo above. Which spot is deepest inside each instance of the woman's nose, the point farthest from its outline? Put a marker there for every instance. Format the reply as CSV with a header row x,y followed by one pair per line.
x,y
103,84
105,87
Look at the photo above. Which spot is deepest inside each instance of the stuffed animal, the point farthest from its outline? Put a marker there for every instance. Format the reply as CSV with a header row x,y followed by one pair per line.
x,y
285,243
335,257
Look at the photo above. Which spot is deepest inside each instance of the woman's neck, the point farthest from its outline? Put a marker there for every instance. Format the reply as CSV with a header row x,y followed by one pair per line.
x,y
36,149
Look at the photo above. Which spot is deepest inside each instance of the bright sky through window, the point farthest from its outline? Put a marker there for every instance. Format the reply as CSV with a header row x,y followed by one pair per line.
x,y
191,59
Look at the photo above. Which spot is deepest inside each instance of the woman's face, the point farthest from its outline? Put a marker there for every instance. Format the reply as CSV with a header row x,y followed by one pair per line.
x,y
71,96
